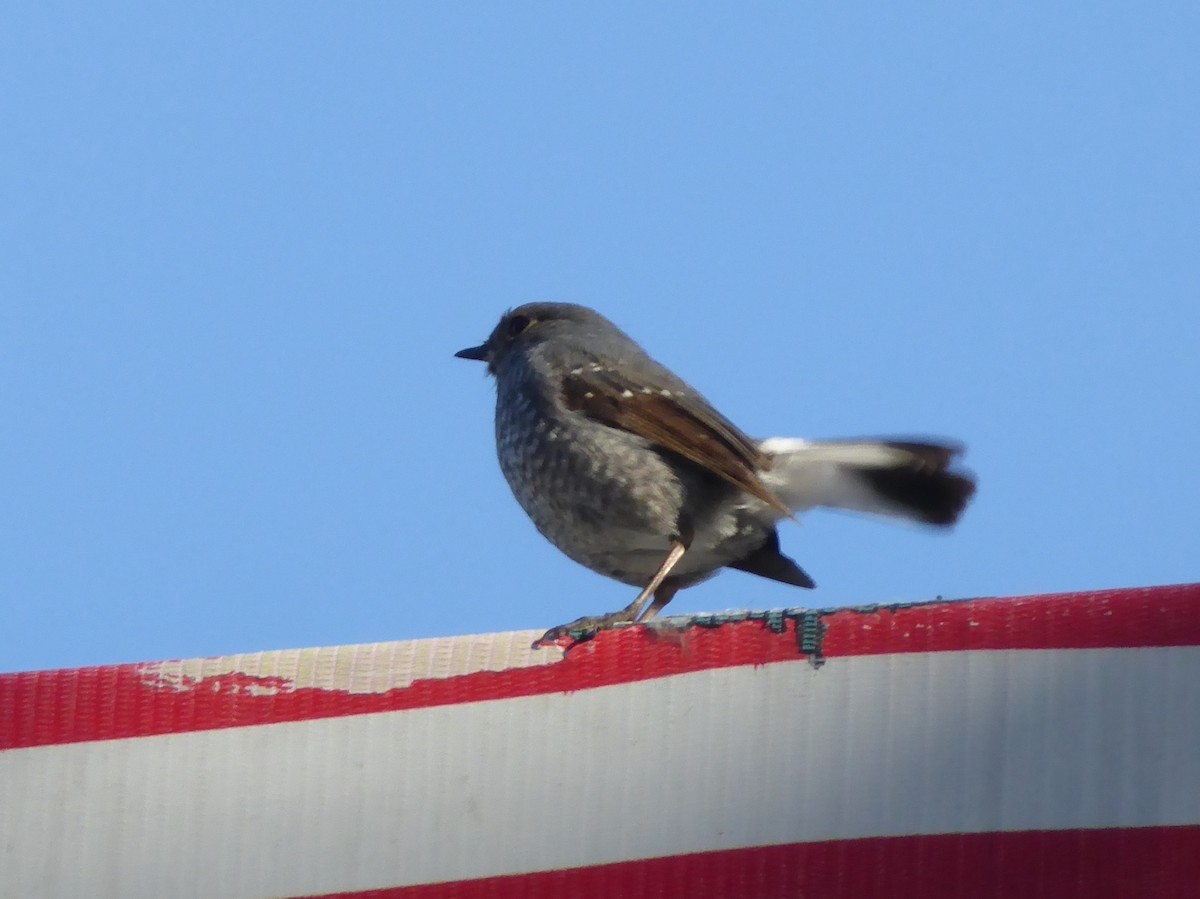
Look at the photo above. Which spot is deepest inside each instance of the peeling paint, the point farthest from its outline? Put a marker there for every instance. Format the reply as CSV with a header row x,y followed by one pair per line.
x,y
808,627
382,667
363,668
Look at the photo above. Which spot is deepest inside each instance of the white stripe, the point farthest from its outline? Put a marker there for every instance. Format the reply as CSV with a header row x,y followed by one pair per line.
x,y
865,746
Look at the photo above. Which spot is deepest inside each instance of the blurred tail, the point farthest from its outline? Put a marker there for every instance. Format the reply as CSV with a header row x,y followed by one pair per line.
x,y
910,480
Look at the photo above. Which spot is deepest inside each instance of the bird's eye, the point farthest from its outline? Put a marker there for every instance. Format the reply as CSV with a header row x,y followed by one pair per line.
x,y
517,324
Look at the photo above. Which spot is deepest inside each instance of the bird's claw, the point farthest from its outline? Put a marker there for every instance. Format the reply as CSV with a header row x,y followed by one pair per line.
x,y
582,629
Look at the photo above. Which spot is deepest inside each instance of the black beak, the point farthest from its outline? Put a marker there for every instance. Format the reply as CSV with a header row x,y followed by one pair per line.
x,y
478,353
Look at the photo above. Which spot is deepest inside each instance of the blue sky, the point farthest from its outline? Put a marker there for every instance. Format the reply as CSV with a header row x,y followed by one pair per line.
x,y
241,243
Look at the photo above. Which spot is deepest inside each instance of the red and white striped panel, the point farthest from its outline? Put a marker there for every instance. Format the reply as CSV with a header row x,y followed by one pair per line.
x,y
1031,747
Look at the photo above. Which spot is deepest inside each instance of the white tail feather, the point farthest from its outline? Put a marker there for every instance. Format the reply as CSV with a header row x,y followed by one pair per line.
x,y
845,475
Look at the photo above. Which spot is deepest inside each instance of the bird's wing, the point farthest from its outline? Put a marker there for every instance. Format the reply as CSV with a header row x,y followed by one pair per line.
x,y
675,418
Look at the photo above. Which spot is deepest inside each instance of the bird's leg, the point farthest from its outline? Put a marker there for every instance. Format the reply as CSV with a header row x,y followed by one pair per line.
x,y
662,596
634,609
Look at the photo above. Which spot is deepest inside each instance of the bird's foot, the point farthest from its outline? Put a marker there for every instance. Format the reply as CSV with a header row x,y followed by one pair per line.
x,y
583,629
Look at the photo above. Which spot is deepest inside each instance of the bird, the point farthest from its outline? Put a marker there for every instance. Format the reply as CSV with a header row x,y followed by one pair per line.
x,y
631,472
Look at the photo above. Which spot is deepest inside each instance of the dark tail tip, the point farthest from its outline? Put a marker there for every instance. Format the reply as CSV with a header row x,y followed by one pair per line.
x,y
925,488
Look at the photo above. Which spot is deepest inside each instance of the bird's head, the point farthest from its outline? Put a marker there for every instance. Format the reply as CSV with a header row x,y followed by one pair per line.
x,y
520,330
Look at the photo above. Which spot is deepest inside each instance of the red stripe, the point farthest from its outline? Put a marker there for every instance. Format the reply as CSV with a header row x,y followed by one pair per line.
x,y
1148,863
68,706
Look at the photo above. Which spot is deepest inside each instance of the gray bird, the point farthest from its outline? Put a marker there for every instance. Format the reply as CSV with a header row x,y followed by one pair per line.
x,y
631,472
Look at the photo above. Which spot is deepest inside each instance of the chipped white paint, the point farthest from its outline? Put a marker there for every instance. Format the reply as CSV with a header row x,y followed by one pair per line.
x,y
363,668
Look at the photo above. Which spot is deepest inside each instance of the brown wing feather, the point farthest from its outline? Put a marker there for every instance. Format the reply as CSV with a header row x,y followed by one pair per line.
x,y
676,420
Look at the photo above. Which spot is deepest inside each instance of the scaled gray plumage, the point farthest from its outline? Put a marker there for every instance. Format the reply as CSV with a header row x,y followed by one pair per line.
x,y
631,472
